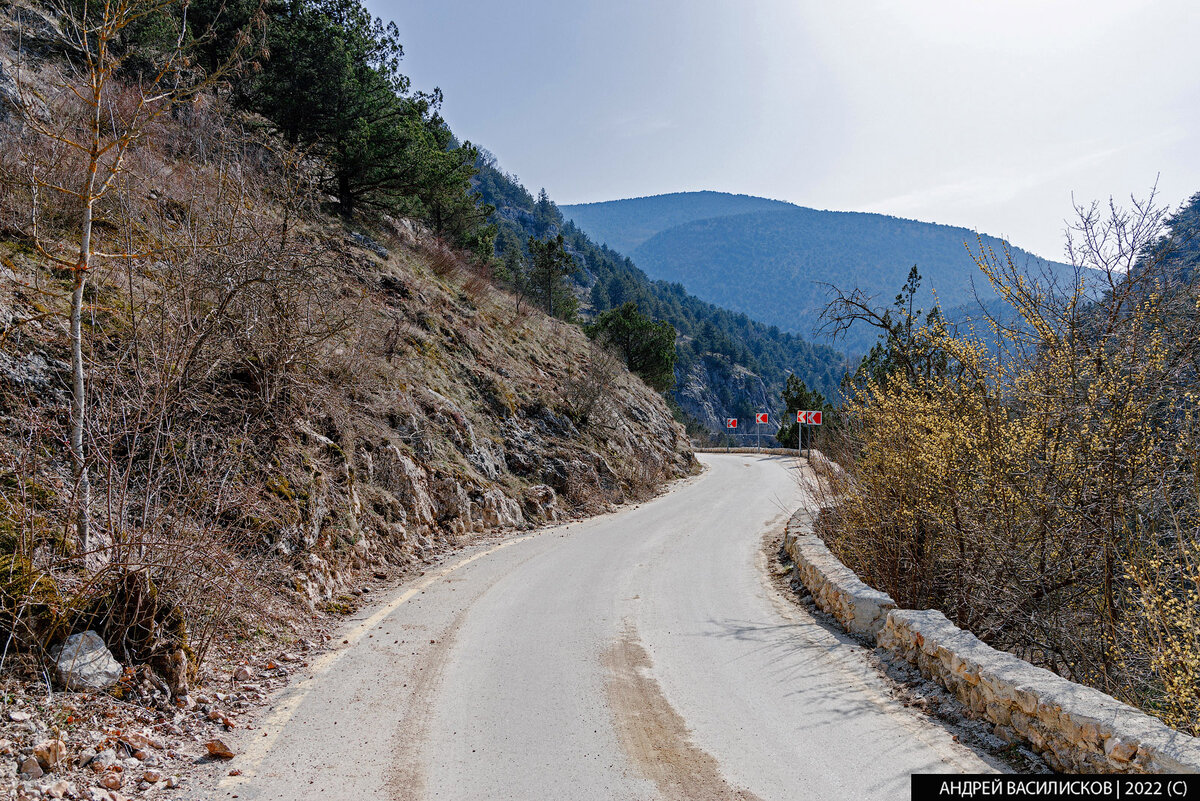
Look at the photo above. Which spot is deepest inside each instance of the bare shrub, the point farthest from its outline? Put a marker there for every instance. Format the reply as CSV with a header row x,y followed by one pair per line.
x,y
202,331
443,260
589,387
643,475
477,284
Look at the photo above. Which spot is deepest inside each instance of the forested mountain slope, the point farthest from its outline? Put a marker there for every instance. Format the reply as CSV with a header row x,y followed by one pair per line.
x,y
729,364
775,263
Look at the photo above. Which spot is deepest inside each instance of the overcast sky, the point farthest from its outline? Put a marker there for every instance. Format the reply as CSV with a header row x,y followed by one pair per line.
x,y
989,114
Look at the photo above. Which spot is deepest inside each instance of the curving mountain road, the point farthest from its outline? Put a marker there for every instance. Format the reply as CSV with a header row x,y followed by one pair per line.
x,y
638,655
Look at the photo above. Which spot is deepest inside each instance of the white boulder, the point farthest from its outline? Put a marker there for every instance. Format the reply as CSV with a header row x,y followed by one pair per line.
x,y
84,662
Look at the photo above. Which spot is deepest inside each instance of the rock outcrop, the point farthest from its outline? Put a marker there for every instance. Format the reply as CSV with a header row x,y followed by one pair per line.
x,y
711,388
467,423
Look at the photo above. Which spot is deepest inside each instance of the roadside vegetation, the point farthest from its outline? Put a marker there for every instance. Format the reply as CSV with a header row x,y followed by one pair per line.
x,y
252,343
1038,481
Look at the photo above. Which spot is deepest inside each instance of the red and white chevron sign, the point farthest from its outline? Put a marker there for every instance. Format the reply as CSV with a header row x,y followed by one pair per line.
x,y
761,418
731,422
809,418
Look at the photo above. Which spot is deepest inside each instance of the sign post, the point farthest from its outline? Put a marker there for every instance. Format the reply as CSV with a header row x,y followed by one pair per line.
x,y
760,420
730,423
812,418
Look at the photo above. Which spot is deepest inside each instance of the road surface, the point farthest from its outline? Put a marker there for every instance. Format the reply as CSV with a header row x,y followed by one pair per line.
x,y
638,655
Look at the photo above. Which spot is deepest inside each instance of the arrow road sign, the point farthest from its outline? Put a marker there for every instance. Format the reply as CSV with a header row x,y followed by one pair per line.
x,y
731,422
809,418
761,418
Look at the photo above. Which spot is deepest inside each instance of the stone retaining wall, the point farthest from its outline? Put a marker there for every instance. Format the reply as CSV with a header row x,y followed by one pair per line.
x,y
862,610
1075,728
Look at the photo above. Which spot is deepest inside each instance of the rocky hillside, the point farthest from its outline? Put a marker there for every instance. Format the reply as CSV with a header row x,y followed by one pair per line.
x,y
278,399
437,412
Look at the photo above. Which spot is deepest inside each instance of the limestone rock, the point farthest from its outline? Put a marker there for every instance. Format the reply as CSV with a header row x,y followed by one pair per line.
x,y
30,769
367,243
140,742
450,499
83,662
497,510
400,475
50,753
541,501
10,93
1118,750
61,789
103,759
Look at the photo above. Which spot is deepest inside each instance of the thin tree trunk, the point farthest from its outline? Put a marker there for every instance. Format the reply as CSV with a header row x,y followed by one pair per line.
x,y
83,501
78,408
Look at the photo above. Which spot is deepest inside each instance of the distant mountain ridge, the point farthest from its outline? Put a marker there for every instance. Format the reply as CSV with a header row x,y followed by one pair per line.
x,y
775,261
623,225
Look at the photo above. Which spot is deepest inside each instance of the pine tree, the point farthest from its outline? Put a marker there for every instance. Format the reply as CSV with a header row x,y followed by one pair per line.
x,y
798,397
551,265
648,347
333,84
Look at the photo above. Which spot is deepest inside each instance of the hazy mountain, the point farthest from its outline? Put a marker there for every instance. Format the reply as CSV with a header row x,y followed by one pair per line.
x,y
776,261
623,225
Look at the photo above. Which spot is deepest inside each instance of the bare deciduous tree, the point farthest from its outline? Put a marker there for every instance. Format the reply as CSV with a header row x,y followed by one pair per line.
x,y
98,118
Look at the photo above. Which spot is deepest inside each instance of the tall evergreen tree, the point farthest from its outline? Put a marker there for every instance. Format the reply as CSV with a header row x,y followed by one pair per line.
x,y
798,397
333,83
551,265
545,214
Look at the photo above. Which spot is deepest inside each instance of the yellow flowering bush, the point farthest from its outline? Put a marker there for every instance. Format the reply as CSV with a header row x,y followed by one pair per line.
x,y
1042,487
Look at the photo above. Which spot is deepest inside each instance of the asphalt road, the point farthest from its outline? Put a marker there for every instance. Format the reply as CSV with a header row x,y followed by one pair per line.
x,y
638,655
